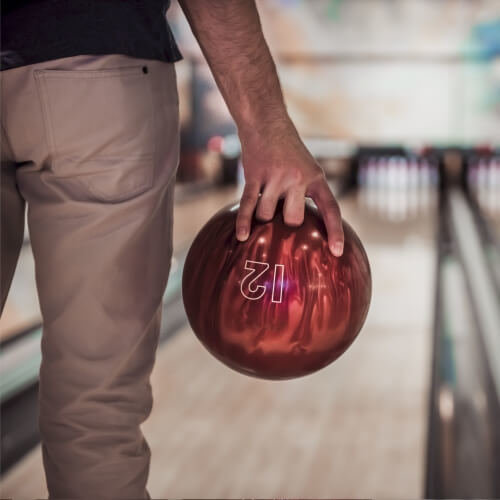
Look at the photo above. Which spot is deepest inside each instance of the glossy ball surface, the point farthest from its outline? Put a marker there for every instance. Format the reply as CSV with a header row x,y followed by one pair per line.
x,y
279,305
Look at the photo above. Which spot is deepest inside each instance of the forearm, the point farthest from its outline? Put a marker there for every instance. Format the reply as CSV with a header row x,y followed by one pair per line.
x,y
230,36
275,160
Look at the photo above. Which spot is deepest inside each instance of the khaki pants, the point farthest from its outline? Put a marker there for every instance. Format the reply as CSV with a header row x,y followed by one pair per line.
x,y
90,144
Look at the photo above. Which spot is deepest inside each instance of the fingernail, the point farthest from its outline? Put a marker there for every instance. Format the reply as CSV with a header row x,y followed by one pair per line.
x,y
337,249
242,234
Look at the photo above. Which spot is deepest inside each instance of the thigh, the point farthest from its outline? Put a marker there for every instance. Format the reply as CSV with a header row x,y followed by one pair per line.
x,y
101,274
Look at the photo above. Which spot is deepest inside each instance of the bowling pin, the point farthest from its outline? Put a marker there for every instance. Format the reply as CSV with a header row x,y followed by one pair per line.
x,y
361,176
382,184
371,173
402,169
382,172
496,182
472,176
412,183
482,175
392,172
424,184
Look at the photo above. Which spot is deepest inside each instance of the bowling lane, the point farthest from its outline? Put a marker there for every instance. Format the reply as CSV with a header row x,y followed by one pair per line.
x,y
492,217
493,245
484,187
355,429
21,309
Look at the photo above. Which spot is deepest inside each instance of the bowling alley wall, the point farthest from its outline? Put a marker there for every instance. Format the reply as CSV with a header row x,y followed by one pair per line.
x,y
377,71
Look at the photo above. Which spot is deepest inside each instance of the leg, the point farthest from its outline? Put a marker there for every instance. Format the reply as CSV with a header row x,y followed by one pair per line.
x,y
102,284
100,218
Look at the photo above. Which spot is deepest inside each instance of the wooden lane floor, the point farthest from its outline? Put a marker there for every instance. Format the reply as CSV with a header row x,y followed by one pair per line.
x,y
355,429
21,310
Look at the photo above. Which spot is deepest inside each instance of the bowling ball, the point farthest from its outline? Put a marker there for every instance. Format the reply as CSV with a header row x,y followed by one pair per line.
x,y
279,305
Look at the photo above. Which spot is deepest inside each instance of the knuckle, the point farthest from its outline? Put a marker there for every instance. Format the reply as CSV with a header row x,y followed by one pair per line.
x,y
333,221
265,212
278,168
330,204
245,211
247,199
297,176
318,176
334,227
266,203
251,187
242,217
265,215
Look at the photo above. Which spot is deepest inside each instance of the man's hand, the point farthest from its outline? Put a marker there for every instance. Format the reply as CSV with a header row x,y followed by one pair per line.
x,y
275,160
279,166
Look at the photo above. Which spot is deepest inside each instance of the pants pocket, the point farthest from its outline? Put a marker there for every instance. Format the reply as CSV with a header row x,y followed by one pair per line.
x,y
100,128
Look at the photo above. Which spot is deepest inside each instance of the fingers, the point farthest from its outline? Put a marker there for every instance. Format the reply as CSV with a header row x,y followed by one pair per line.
x,y
247,206
330,211
293,210
268,201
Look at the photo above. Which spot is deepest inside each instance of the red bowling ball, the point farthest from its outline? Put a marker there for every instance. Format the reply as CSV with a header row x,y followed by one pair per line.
x,y
279,305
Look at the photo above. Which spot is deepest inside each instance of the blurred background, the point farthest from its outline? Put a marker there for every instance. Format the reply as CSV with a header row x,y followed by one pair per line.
x,y
399,100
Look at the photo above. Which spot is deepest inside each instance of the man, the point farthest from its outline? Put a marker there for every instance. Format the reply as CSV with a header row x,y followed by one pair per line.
x,y
90,143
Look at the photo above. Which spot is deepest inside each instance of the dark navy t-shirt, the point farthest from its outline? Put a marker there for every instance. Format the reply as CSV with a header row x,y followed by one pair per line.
x,y
41,30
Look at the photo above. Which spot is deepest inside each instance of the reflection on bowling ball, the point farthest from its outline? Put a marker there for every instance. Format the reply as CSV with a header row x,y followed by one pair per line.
x,y
279,305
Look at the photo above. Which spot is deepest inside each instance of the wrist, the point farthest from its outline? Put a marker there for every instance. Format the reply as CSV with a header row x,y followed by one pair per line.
x,y
266,126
